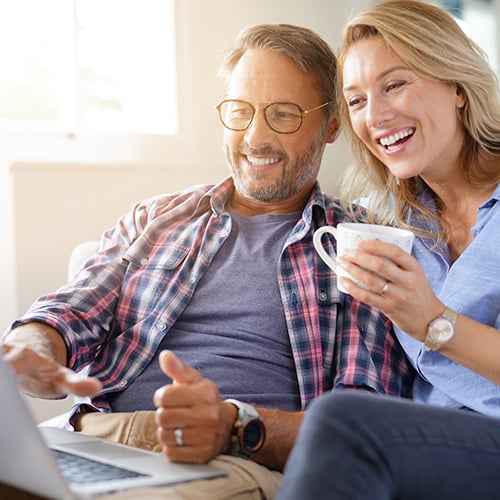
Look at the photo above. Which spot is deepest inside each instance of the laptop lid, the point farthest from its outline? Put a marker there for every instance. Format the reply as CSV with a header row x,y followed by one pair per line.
x,y
27,462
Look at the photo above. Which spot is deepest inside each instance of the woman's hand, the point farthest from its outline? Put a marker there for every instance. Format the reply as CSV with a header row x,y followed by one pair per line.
x,y
393,281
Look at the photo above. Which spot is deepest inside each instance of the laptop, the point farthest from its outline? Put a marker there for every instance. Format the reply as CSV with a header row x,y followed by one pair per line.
x,y
33,457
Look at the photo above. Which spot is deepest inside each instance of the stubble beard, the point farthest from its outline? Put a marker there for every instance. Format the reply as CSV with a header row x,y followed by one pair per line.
x,y
295,175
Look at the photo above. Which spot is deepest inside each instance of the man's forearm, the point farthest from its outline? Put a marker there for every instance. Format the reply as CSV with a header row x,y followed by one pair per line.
x,y
282,428
41,338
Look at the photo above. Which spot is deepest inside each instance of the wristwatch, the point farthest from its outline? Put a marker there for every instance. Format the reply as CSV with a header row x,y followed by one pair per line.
x,y
441,330
249,431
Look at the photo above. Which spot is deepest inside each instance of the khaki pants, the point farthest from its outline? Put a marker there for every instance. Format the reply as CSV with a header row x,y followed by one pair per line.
x,y
246,479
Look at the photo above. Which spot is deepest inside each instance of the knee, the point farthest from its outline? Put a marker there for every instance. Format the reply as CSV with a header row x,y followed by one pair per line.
x,y
344,405
344,414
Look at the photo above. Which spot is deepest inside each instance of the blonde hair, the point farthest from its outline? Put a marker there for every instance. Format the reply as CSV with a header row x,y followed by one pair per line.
x,y
433,45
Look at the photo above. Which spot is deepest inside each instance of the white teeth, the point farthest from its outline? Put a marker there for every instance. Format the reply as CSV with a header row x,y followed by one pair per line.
x,y
390,140
262,161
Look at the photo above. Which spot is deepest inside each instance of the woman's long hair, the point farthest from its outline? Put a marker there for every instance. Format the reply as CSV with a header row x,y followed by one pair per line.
x,y
434,46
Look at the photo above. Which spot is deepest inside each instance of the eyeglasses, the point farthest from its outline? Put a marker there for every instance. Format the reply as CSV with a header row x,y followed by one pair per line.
x,y
282,117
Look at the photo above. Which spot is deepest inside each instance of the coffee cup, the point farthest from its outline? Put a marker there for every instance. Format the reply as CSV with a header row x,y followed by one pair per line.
x,y
348,234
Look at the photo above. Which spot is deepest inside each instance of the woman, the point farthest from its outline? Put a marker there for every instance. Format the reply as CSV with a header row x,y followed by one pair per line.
x,y
422,110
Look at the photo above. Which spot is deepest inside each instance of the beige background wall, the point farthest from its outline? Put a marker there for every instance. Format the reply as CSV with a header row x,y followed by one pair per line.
x,y
56,190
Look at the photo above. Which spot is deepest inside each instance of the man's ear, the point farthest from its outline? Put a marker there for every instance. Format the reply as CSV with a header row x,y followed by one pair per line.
x,y
333,128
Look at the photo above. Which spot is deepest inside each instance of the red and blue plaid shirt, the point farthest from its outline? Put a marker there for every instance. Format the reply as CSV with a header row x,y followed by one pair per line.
x,y
117,309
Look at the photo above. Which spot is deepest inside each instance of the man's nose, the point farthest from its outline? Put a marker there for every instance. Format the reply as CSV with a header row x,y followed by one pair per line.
x,y
259,132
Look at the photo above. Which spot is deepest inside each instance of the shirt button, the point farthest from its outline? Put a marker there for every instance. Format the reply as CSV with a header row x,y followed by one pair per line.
x,y
224,233
323,296
123,384
192,280
144,261
161,326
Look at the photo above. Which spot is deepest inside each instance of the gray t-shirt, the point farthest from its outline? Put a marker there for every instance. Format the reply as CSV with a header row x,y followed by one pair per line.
x,y
233,331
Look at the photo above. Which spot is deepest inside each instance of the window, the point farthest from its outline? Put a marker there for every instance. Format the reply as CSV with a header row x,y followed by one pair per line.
x,y
98,65
478,20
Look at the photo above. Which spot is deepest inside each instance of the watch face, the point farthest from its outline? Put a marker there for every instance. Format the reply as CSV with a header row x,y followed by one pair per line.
x,y
442,330
253,435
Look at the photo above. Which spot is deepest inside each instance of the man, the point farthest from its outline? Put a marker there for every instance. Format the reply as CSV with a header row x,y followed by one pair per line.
x,y
226,278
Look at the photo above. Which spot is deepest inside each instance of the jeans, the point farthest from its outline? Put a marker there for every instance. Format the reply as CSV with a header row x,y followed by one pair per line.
x,y
356,445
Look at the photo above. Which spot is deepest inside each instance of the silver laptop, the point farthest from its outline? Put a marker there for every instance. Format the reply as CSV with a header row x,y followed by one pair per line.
x,y
34,458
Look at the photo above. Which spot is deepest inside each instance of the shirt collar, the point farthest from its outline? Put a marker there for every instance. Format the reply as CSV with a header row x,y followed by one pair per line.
x,y
220,195
495,196
217,197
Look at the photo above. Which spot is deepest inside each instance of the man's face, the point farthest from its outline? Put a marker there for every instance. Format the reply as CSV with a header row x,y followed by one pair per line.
x,y
268,166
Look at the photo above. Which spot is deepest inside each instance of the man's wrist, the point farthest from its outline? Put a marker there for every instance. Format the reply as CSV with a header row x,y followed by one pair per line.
x,y
230,417
248,433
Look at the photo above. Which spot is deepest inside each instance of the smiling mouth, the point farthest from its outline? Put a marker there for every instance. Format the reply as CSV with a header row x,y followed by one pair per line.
x,y
260,162
390,142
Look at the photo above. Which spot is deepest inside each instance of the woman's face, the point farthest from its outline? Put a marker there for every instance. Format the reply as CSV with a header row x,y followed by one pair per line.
x,y
408,122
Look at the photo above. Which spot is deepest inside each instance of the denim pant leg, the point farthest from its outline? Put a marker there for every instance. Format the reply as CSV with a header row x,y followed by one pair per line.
x,y
356,445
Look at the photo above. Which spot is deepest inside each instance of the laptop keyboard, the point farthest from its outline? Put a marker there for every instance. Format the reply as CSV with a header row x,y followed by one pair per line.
x,y
81,470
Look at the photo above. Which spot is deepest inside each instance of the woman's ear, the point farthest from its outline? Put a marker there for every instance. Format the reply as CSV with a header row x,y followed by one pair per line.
x,y
460,103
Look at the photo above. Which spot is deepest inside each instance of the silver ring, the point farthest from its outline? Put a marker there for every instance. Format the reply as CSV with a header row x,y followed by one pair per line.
x,y
384,288
179,439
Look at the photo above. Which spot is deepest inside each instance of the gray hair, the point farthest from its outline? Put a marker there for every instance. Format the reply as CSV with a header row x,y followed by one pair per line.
x,y
303,46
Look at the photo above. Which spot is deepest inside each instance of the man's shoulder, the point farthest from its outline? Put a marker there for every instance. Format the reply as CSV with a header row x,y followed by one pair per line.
x,y
338,210
189,198
196,192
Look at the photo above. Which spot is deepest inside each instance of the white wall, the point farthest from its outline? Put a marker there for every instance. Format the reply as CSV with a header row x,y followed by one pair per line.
x,y
56,190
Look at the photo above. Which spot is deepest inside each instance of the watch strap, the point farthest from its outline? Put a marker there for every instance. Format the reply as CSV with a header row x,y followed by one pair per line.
x,y
246,414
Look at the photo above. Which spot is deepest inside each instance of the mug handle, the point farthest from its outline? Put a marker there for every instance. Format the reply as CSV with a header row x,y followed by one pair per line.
x,y
327,259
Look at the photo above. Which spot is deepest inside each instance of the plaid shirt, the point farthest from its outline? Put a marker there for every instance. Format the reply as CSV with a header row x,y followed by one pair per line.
x,y
116,310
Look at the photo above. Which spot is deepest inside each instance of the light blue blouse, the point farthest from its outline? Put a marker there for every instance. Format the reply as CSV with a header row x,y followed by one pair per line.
x,y
471,286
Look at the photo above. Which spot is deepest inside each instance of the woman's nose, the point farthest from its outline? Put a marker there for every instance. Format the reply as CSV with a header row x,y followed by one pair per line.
x,y
377,112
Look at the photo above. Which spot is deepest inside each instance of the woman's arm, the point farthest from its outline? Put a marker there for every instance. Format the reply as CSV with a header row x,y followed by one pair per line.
x,y
411,304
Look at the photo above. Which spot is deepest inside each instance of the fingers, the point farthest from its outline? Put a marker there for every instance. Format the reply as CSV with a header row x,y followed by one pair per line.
x,y
187,388
183,444
392,253
375,264
41,376
189,434
177,370
183,437
190,407
73,383
368,280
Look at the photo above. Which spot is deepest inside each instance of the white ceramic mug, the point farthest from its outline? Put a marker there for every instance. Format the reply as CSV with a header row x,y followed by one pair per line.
x,y
348,234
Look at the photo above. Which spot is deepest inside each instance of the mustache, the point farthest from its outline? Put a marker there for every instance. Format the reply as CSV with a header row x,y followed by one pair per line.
x,y
264,151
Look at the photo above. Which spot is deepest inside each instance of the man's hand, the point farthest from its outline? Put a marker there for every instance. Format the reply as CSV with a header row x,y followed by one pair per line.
x,y
43,377
193,405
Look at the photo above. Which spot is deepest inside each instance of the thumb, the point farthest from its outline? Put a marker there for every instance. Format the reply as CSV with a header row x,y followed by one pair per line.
x,y
177,370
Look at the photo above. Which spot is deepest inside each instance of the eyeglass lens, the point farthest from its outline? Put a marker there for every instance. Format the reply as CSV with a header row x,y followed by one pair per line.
x,y
281,117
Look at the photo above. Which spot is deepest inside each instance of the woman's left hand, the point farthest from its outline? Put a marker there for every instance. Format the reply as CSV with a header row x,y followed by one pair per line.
x,y
394,282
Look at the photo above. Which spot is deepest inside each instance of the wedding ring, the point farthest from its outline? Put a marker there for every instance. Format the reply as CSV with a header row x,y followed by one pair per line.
x,y
179,439
384,288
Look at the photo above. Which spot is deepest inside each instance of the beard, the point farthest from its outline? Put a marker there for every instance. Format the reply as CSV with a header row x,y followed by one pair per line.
x,y
295,175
